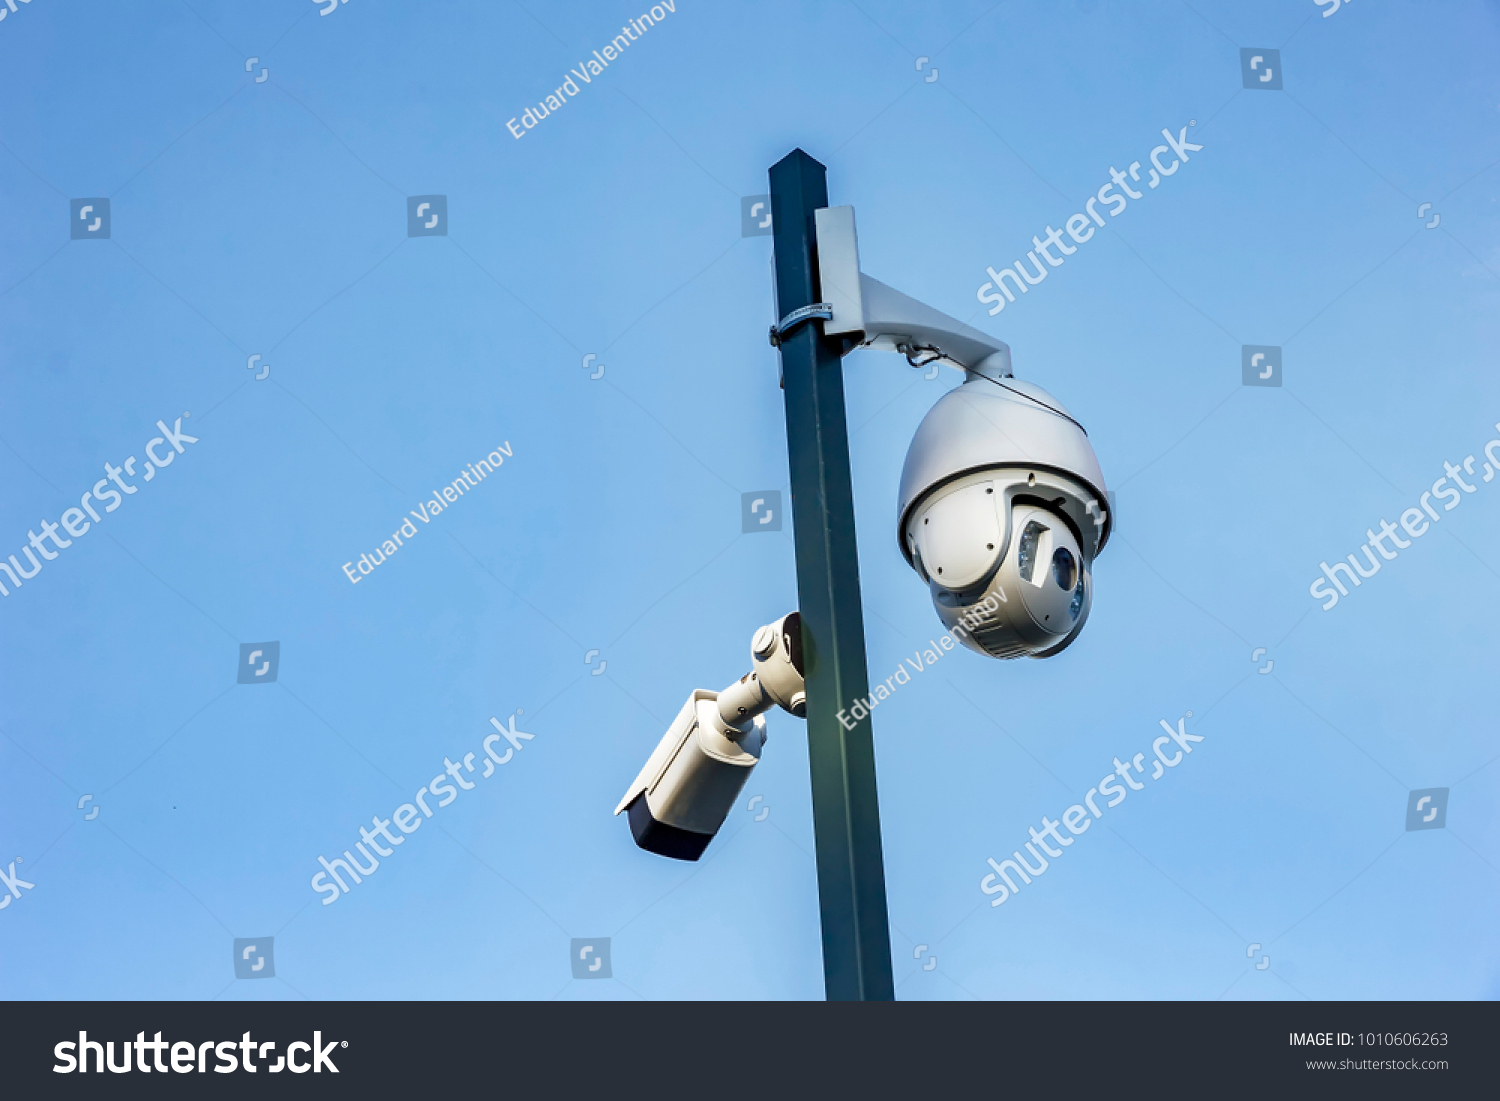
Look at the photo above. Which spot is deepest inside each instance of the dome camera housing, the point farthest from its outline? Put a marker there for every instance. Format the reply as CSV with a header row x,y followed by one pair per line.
x,y
1002,511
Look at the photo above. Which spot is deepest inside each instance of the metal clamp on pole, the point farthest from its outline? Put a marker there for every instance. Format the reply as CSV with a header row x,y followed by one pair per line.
x,y
797,317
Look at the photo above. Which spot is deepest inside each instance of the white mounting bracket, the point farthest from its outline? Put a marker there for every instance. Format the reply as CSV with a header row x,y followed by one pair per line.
x,y
877,316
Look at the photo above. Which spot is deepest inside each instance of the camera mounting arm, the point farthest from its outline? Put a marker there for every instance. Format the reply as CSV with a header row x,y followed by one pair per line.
x,y
776,678
873,315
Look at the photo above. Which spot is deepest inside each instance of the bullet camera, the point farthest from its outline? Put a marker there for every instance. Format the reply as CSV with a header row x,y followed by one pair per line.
x,y
683,794
1002,507
1001,513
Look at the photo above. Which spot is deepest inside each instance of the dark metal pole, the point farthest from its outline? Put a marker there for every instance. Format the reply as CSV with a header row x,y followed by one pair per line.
x,y
846,816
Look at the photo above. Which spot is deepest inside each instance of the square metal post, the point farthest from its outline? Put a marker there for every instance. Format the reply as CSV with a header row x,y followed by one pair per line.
x,y
846,815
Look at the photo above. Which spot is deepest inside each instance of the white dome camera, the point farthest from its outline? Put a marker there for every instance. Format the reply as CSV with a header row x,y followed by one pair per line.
x,y
1001,512
1002,506
681,798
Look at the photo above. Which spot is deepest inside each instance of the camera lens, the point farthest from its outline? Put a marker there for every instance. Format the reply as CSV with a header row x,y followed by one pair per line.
x,y
1064,569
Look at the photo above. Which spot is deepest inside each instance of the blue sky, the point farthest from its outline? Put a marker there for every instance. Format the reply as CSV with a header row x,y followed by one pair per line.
x,y
269,218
